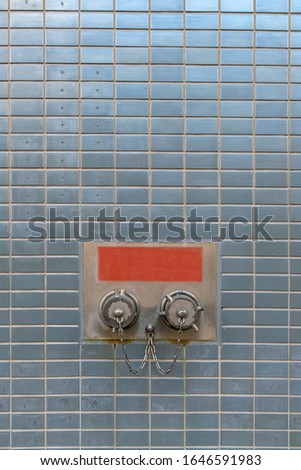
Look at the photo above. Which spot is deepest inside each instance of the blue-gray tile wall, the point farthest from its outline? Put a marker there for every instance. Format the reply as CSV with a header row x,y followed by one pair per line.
x,y
179,109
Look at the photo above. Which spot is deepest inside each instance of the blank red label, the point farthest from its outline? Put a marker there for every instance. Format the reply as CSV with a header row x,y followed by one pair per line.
x,y
152,263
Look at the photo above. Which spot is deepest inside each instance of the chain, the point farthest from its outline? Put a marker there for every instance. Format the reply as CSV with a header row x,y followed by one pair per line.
x,y
124,350
176,354
150,350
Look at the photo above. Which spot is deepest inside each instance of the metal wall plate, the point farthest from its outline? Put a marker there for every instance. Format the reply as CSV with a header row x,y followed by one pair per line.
x,y
150,295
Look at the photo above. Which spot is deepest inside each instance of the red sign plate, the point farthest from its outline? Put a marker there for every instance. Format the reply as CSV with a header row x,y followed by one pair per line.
x,y
150,264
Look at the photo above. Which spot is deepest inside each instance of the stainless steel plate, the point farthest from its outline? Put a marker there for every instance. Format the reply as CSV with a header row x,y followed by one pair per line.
x,y
150,296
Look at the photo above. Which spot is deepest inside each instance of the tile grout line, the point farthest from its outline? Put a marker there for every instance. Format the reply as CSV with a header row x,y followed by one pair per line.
x,y
45,156
149,111
184,110
254,276
114,346
289,220
115,140
184,86
149,164
80,211
10,220
219,167
115,201
253,212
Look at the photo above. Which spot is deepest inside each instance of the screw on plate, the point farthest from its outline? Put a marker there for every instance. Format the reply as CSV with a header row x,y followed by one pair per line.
x,y
150,328
182,313
118,312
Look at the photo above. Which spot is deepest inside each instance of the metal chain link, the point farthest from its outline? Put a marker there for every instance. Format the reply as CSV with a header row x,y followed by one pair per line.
x,y
150,350
176,354
124,350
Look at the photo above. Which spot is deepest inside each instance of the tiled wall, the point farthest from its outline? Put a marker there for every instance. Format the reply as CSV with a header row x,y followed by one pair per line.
x,y
155,107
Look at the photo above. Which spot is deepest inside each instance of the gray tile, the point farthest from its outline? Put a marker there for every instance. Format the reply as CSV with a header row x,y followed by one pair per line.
x,y
274,439
295,422
96,5
62,317
237,369
28,20
31,5
271,300
295,320
97,421
269,352
98,386
132,439
55,438
171,73
236,403
196,403
202,439
166,108
27,386
170,439
65,369
295,352
167,421
136,5
61,20
131,38
166,38
64,386
132,56
237,386
66,38
202,421
167,21
295,439
175,387
29,421
33,439
271,22
278,6
57,333
22,369
28,299
131,421
232,352
271,335
239,438
97,368
271,265
295,404
62,420
271,421
237,282
271,386
228,6
4,350
132,196
160,5
137,385
201,386
126,403
194,369
271,283
63,403
164,403
102,439
4,421
28,404
66,351
274,404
